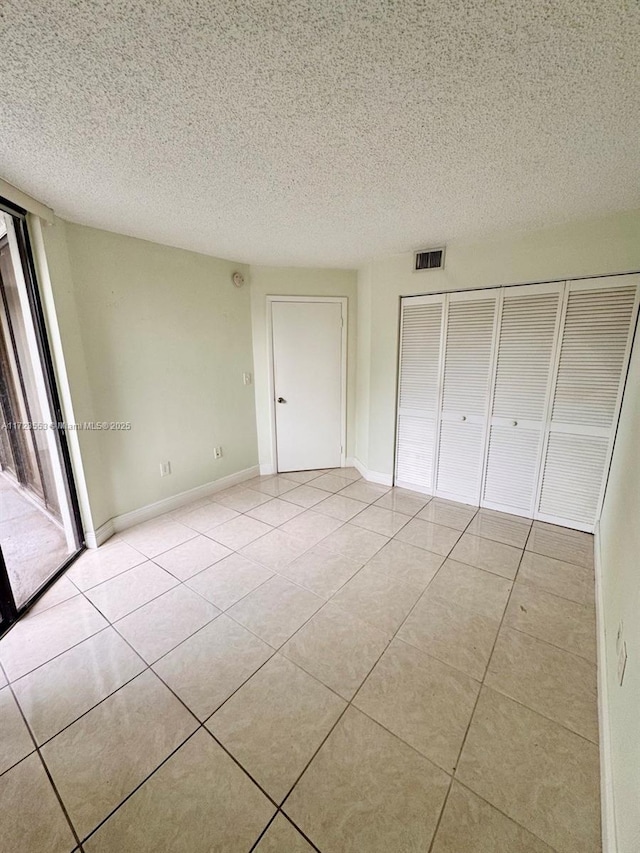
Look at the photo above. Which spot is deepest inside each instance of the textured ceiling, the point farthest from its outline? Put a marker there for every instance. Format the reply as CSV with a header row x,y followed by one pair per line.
x,y
321,132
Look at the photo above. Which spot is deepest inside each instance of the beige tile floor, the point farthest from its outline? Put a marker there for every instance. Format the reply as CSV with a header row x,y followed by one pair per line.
x,y
308,662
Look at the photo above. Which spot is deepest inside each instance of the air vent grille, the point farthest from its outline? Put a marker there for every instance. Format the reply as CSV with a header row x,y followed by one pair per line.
x,y
429,259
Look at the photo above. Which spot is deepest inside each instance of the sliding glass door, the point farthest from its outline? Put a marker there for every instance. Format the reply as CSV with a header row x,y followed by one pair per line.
x,y
39,519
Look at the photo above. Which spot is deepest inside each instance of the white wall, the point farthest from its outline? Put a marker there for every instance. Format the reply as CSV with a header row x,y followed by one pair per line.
x,y
159,337
596,247
620,561
291,281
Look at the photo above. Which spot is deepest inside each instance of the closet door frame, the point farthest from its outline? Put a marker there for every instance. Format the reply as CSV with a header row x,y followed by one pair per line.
x,y
559,287
572,285
565,287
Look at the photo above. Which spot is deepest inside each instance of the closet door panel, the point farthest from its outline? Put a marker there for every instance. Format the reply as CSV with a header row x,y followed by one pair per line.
x,y
513,462
572,476
527,335
418,391
594,351
592,355
468,356
460,457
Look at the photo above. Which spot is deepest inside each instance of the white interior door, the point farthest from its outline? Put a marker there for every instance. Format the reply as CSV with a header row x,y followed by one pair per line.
x,y
308,384
468,363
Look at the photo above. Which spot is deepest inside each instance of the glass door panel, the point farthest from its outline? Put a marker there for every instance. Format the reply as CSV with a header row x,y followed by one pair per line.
x,y
39,529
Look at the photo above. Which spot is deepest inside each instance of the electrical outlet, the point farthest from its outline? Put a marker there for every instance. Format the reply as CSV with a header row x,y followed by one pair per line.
x,y
246,378
217,452
165,469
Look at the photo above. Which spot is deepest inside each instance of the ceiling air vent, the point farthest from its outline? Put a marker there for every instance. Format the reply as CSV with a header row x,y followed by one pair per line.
x,y
430,259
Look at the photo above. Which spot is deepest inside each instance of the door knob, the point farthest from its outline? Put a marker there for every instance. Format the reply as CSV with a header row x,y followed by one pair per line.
x,y
463,418
514,423
281,400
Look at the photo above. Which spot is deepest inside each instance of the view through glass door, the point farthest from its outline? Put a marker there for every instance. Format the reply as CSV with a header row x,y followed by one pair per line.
x,y
39,519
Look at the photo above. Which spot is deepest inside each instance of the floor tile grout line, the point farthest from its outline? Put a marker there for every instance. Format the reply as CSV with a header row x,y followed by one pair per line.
x,y
199,725
135,609
552,645
577,565
140,784
482,685
265,830
148,559
557,595
88,710
539,713
452,774
205,533
275,651
178,581
290,821
504,814
106,580
350,704
324,602
302,833
55,657
473,711
150,665
43,764
554,595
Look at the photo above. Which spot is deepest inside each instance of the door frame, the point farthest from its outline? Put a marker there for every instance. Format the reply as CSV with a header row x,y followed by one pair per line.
x,y
48,382
343,302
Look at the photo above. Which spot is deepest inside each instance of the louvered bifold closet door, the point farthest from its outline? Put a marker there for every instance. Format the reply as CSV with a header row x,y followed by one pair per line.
x,y
468,358
527,334
594,352
418,391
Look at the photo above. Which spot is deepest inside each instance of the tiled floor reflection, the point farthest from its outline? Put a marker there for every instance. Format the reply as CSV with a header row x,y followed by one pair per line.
x,y
308,662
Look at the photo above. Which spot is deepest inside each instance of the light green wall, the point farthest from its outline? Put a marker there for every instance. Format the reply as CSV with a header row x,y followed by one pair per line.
x,y
291,281
164,338
620,561
363,372
597,247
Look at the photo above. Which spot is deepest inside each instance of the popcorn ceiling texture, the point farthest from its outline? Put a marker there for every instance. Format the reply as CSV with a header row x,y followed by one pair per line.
x,y
321,132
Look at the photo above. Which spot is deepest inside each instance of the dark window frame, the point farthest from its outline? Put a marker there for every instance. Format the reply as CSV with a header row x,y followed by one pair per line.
x,y
9,612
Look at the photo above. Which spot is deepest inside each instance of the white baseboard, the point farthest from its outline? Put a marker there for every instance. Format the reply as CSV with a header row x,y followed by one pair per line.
x,y
609,841
267,469
372,476
95,538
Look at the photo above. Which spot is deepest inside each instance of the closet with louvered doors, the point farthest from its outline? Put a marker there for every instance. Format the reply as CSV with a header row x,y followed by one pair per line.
x,y
509,397
593,354
467,365
527,334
